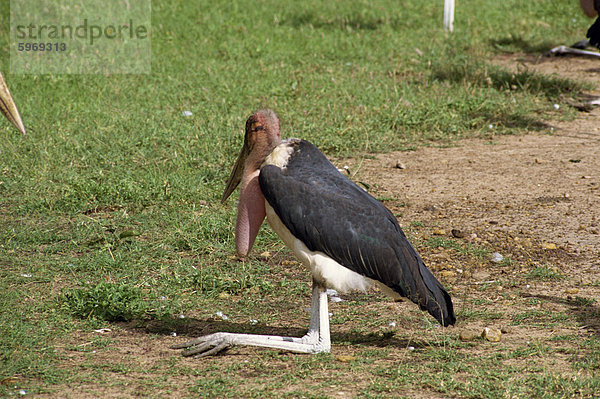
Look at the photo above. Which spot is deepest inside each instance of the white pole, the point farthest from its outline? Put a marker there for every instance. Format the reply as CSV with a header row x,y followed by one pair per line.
x,y
449,15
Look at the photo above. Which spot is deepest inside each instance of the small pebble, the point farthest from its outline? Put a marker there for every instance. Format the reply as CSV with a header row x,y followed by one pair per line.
x,y
289,263
187,113
458,233
492,334
173,334
411,348
392,324
221,315
467,335
333,295
253,322
497,257
556,106
439,232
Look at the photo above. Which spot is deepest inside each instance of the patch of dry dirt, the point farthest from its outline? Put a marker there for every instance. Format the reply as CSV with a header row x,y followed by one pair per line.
x,y
542,185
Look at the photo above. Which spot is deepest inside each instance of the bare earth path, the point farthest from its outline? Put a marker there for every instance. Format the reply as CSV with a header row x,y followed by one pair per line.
x,y
544,185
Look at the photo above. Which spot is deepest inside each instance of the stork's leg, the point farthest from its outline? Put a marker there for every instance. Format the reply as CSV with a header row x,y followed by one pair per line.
x,y
318,330
316,340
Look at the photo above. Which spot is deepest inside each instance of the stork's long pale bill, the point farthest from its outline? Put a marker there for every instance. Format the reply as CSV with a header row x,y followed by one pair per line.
x,y
262,136
347,238
8,107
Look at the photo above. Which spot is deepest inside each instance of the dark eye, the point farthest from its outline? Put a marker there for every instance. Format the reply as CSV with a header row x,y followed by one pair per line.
x,y
258,128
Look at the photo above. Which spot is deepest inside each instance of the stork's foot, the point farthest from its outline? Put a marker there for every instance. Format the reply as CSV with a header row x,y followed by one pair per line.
x,y
212,344
317,339
207,345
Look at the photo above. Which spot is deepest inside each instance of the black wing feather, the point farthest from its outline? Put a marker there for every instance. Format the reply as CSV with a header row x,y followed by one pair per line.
x,y
593,33
331,214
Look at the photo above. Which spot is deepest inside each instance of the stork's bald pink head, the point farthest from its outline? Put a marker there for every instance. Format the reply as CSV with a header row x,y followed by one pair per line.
x,y
261,137
262,134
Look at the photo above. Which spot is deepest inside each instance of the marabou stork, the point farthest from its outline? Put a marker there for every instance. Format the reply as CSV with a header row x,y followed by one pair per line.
x,y
8,107
347,238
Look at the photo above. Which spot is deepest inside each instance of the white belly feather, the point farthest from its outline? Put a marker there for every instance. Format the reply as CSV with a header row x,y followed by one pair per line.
x,y
324,270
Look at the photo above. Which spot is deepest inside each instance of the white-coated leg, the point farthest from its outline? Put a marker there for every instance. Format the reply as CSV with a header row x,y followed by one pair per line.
x,y
315,341
318,330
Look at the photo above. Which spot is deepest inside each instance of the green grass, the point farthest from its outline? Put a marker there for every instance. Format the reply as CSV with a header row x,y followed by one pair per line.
x,y
544,273
109,206
459,247
115,302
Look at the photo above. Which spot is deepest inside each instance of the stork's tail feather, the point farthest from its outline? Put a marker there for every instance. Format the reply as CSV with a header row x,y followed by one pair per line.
x,y
594,33
439,303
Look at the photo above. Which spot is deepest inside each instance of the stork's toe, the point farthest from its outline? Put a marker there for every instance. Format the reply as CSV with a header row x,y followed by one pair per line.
x,y
207,345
